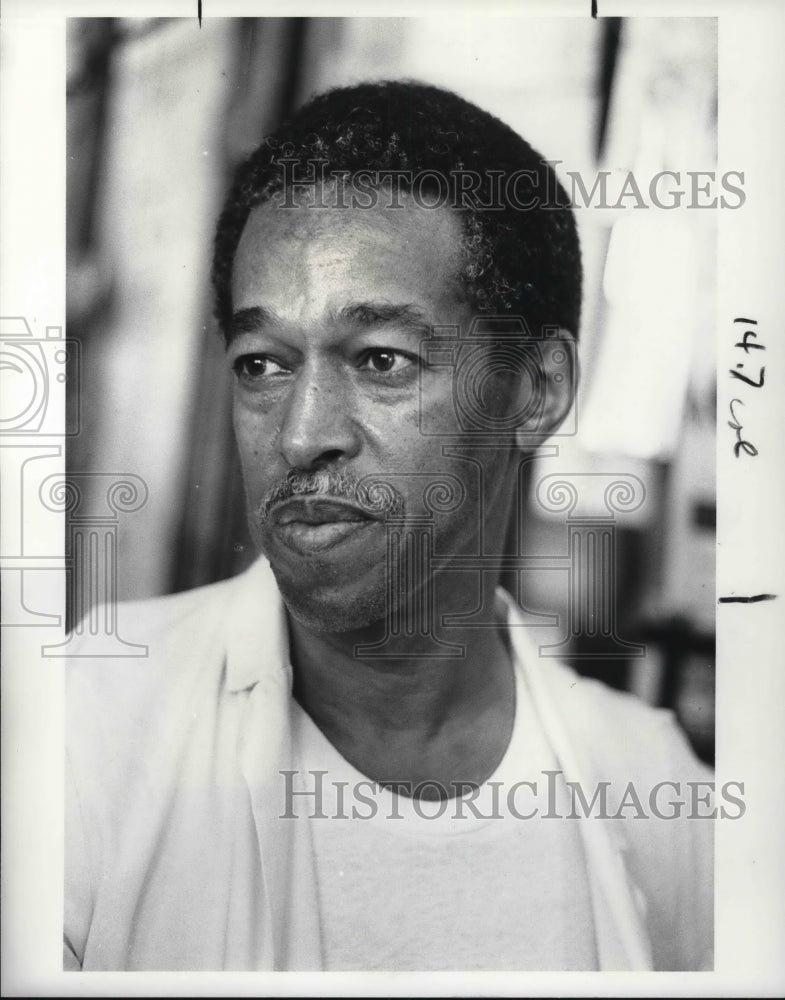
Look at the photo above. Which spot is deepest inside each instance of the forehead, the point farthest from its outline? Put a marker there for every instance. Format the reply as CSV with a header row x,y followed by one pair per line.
x,y
303,261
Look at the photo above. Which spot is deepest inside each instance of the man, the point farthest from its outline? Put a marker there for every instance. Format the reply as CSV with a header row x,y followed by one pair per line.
x,y
351,757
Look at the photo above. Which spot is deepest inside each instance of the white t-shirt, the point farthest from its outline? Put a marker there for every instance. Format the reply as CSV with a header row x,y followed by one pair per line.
x,y
416,884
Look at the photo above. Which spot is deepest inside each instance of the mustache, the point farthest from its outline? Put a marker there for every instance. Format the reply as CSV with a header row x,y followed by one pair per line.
x,y
377,497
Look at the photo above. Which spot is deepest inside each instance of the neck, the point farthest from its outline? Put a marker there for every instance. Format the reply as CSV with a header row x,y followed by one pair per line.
x,y
410,716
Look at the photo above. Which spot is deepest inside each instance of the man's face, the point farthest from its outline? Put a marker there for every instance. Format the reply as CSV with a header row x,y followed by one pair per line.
x,y
331,308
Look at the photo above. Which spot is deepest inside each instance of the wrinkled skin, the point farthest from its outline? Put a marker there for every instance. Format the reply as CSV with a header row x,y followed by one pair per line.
x,y
312,391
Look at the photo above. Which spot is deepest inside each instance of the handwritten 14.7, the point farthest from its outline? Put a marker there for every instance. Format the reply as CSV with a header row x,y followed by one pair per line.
x,y
755,380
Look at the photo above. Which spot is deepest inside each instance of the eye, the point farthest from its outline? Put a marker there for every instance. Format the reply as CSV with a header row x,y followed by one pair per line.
x,y
385,361
252,367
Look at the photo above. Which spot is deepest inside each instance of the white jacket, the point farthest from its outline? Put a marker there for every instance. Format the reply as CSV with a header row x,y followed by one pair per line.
x,y
176,858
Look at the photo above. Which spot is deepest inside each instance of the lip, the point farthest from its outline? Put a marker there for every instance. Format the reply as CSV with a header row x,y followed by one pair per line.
x,y
308,525
307,539
318,510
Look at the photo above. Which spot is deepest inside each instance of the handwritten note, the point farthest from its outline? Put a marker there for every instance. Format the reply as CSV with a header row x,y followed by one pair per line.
x,y
745,371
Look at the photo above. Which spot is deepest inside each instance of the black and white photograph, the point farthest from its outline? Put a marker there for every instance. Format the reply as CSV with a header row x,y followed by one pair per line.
x,y
390,550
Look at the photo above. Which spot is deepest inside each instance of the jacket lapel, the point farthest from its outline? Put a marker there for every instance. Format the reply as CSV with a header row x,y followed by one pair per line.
x,y
258,670
617,904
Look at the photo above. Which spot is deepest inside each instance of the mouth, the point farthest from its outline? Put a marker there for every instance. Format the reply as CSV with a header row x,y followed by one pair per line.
x,y
314,524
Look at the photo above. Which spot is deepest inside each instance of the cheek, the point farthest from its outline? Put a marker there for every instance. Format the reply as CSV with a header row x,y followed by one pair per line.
x,y
251,433
436,412
244,435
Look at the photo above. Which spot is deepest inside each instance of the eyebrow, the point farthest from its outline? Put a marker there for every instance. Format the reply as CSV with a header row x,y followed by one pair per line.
x,y
249,320
365,315
359,315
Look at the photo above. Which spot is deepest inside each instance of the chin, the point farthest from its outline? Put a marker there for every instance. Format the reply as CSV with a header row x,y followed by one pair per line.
x,y
335,608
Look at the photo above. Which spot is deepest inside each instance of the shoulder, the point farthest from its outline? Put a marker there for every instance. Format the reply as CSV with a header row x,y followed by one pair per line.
x,y
660,802
615,735
120,651
618,735
165,660
127,667
133,721
151,620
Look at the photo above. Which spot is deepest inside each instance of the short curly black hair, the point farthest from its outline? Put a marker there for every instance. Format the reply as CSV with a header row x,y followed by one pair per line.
x,y
516,261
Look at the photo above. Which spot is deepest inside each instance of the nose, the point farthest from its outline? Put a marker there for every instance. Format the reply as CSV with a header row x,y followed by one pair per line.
x,y
317,427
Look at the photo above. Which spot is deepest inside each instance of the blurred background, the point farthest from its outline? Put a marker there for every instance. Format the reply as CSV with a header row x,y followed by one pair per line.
x,y
160,111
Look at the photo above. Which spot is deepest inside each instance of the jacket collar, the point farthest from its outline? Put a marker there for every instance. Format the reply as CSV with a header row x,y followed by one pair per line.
x,y
257,645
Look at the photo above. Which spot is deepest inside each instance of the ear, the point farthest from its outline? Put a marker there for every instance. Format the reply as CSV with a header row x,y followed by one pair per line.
x,y
550,395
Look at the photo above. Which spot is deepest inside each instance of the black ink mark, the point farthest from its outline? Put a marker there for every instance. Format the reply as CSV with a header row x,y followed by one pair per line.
x,y
199,11
741,319
594,8
735,425
749,347
747,600
749,381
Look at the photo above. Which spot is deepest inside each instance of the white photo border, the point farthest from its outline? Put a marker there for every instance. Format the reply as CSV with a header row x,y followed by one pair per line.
x,y
750,867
